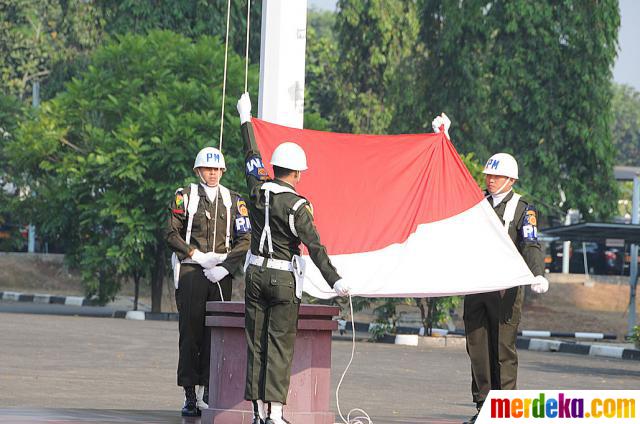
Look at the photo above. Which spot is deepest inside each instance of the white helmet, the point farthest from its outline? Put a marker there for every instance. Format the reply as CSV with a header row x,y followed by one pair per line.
x,y
209,157
290,156
502,164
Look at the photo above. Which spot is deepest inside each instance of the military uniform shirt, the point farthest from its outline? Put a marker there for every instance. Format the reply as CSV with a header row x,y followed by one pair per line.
x,y
202,230
285,243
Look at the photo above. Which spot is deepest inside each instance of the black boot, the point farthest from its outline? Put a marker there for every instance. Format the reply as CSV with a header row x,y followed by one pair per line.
x,y
278,421
190,408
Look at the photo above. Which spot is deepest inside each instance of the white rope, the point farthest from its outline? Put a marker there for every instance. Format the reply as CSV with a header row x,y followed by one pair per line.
x,y
215,232
363,418
220,289
224,77
246,55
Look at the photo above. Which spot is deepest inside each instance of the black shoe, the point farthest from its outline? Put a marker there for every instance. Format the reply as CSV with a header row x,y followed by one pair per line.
x,y
190,408
270,421
257,420
473,419
205,396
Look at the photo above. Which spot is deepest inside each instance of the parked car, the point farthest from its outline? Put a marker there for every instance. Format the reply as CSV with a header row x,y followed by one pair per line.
x,y
601,259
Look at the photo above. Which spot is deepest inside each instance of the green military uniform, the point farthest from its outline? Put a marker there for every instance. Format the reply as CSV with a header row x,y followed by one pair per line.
x,y
491,319
271,313
194,288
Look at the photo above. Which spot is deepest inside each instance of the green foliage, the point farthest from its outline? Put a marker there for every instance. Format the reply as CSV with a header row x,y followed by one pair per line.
x,y
192,18
38,36
50,40
532,79
107,154
322,79
12,112
436,310
626,127
374,38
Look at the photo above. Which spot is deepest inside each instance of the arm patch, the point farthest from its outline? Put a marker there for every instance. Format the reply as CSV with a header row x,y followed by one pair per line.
x,y
242,207
242,225
255,168
530,224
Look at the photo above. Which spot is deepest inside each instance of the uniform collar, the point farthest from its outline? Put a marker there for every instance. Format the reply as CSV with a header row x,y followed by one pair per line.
x,y
282,183
202,192
503,200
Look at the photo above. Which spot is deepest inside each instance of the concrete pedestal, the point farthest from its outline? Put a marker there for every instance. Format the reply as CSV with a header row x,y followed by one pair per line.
x,y
309,393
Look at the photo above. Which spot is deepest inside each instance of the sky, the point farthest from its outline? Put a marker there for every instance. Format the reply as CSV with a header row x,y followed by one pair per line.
x,y
627,67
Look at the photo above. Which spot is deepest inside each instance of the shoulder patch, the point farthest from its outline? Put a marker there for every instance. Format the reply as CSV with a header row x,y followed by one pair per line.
x,y
255,168
242,207
309,208
530,224
179,200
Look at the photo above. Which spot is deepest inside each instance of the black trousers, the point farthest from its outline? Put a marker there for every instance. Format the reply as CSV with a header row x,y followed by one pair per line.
x,y
491,326
193,293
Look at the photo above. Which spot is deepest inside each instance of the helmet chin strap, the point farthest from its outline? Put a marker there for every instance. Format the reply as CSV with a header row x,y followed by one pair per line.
x,y
499,190
204,181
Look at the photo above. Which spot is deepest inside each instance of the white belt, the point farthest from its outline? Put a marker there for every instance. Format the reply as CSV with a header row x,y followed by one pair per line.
x,y
280,264
188,261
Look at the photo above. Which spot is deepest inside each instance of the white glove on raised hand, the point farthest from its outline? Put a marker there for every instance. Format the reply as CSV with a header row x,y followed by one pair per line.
x,y
341,287
244,108
541,285
206,260
216,274
439,121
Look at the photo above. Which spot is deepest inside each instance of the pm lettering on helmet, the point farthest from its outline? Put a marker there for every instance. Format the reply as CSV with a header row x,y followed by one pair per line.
x,y
492,164
214,156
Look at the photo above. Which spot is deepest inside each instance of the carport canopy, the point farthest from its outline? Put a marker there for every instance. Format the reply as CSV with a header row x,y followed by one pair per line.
x,y
595,231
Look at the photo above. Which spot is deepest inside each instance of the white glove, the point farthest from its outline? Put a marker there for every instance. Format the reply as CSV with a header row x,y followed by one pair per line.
x,y
244,108
441,120
216,274
341,287
541,285
206,260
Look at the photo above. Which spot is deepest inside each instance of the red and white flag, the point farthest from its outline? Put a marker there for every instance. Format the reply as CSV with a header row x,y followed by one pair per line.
x,y
400,215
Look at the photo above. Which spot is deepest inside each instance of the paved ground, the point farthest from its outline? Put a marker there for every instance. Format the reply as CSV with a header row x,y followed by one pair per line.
x,y
96,368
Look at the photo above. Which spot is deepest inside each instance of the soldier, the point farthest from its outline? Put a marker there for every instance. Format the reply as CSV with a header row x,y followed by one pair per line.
x,y
491,319
208,232
281,219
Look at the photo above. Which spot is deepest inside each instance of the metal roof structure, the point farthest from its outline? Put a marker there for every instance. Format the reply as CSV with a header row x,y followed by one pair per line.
x,y
595,231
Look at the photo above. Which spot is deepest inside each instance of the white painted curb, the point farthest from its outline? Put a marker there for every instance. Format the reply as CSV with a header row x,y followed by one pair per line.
x,y
606,351
73,300
135,315
407,339
15,296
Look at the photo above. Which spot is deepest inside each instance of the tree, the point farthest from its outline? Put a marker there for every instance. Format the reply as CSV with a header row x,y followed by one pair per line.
x,y
192,18
38,37
626,127
532,79
12,111
322,78
111,149
374,38
551,72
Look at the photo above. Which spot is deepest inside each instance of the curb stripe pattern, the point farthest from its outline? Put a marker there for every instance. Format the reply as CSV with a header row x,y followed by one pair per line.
x,y
45,298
